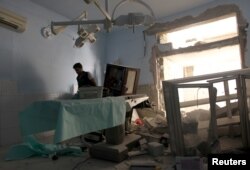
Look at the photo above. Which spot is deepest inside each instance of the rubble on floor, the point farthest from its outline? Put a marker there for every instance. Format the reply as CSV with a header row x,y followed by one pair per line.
x,y
148,149
153,127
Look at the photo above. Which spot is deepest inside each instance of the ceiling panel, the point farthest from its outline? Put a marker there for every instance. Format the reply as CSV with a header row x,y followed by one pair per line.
x,y
161,8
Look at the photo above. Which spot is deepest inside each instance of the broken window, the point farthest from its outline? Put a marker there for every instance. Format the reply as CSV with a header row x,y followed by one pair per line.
x,y
209,43
211,46
212,30
212,42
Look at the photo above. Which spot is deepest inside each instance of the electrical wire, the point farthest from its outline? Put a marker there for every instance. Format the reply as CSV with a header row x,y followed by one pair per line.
x,y
79,164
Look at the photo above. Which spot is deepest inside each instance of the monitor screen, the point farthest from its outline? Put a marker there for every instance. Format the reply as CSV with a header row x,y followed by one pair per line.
x,y
121,80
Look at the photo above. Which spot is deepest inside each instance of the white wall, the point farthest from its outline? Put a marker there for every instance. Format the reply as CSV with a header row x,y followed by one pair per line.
x,y
128,47
44,65
33,68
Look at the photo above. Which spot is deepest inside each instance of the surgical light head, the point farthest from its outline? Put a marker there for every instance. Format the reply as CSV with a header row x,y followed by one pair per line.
x,y
86,34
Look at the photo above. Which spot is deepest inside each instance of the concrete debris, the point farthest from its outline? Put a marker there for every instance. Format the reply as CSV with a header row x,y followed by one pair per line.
x,y
157,124
137,153
150,137
189,125
164,139
143,144
155,149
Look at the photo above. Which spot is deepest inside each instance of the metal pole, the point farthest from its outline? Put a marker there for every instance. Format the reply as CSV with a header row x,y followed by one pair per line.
x,y
77,22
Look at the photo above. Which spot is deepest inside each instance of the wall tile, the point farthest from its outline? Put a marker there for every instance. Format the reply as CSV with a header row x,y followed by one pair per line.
x,y
8,87
9,119
10,107
10,136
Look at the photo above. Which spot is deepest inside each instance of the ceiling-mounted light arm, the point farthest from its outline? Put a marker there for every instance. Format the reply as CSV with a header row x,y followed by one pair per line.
x,y
64,23
146,6
107,5
86,34
62,27
96,2
117,6
137,1
102,10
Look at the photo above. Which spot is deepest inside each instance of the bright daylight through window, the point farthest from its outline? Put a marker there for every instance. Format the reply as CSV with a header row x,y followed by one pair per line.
x,y
216,56
211,60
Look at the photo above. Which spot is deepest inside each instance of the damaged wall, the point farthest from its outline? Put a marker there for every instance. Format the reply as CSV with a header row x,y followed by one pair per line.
x,y
127,46
242,5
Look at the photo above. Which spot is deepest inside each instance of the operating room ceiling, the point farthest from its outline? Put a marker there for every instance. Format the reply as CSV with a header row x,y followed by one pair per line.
x,y
161,8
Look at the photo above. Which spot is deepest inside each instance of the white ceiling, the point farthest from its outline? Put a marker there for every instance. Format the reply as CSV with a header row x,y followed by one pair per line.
x,y
161,8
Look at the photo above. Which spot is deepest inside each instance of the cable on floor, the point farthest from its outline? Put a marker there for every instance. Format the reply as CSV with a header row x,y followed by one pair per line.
x,y
79,164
